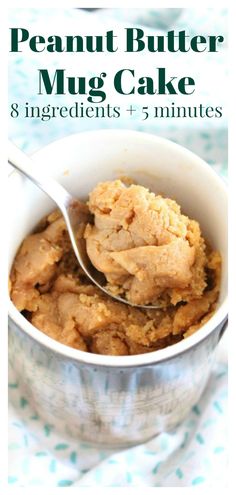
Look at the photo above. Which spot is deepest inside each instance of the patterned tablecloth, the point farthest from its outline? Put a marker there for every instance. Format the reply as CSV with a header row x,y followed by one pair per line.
x,y
195,452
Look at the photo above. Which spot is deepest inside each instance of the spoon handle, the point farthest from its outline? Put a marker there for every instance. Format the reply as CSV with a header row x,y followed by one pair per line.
x,y
75,213
26,166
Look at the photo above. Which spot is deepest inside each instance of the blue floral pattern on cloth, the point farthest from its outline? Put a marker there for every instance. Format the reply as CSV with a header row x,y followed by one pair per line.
x,y
194,453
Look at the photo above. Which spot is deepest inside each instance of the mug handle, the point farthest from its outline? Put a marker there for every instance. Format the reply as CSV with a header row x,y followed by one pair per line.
x,y
223,328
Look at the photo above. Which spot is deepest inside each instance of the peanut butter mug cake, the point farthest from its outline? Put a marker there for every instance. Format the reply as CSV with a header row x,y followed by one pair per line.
x,y
148,251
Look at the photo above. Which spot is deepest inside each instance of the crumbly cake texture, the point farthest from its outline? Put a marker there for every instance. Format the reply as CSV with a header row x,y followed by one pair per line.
x,y
147,249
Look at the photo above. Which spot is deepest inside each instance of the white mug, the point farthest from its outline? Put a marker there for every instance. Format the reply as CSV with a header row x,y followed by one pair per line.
x,y
117,400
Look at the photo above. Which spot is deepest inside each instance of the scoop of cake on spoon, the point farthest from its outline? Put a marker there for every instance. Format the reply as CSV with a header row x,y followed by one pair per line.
x,y
76,215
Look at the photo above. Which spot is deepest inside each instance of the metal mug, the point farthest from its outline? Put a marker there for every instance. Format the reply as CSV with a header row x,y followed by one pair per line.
x,y
118,400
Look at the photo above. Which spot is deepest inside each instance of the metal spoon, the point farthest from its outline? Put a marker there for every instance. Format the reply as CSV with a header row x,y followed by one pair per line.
x,y
74,212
